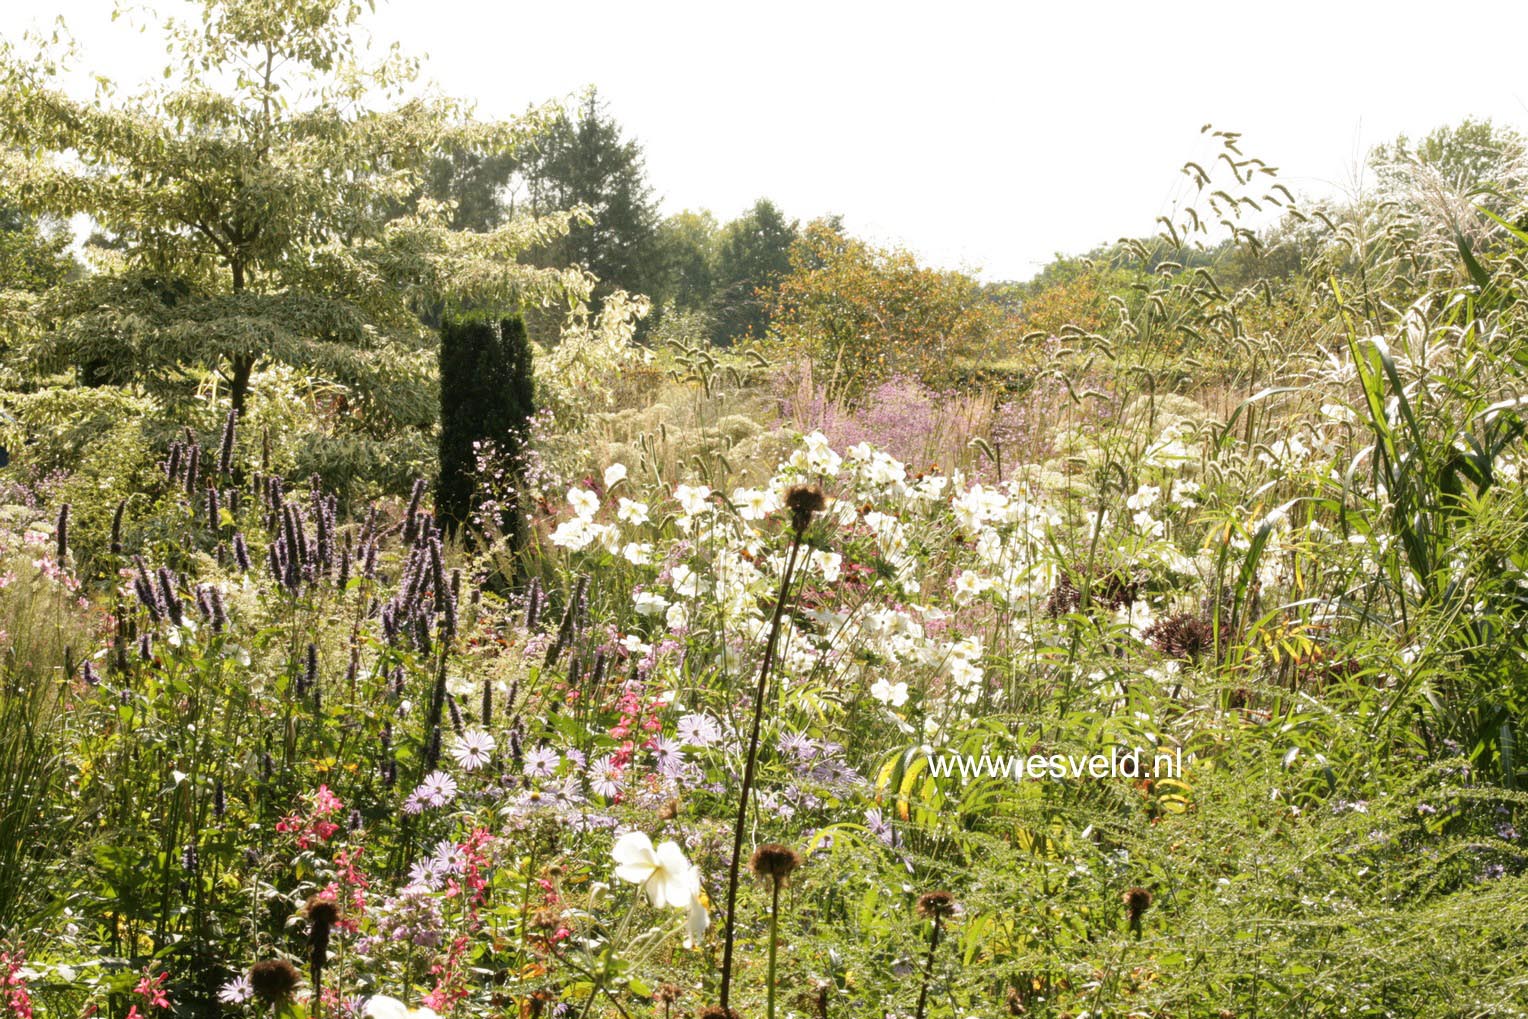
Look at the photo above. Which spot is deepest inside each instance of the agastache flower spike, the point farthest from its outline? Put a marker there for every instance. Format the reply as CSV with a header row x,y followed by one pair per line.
x,y
171,599
193,462
116,527
62,534
225,449
411,519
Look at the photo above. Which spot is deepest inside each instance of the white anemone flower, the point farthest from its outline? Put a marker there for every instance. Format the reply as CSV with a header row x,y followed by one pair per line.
x,y
631,512
584,502
697,919
692,499
380,1006
667,878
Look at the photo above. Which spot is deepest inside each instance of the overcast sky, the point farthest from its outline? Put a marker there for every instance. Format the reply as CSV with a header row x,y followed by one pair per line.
x,y
984,136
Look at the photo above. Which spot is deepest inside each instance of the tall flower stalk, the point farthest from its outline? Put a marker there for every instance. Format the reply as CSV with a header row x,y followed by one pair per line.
x,y
935,907
774,863
803,503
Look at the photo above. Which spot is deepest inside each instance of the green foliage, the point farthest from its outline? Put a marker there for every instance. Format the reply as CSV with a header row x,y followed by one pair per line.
x,y
581,161
753,254
33,259
686,245
863,314
259,221
487,400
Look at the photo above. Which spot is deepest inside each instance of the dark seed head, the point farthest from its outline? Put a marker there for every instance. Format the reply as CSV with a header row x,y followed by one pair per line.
x,y
804,502
322,912
116,528
61,532
936,905
774,861
274,980
1137,901
1182,636
225,448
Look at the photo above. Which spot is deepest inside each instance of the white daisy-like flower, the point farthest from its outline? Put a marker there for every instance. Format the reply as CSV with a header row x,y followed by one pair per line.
x,y
968,586
613,474
687,583
829,563
1183,493
574,534
755,503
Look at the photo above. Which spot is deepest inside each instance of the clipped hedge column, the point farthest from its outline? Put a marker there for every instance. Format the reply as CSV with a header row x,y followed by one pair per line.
x,y
487,393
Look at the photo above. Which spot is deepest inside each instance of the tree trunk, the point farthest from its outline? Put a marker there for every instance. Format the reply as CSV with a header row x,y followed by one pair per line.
x,y
243,366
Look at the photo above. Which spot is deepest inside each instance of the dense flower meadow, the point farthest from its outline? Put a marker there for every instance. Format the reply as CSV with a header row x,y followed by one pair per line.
x,y
689,750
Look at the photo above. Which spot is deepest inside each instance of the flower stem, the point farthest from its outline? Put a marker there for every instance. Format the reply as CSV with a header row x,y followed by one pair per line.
x,y
774,939
748,770
928,969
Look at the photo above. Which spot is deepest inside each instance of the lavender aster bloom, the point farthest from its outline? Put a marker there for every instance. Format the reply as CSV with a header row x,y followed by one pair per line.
x,y
605,777
698,730
669,756
237,991
540,762
437,789
473,749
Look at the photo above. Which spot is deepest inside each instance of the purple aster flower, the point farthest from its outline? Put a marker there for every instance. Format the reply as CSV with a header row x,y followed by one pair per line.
x,y
669,756
540,762
798,744
605,777
448,858
879,827
571,791
237,991
698,730
473,749
426,872
437,789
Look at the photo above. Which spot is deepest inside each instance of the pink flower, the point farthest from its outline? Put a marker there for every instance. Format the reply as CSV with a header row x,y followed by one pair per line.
x,y
325,802
152,990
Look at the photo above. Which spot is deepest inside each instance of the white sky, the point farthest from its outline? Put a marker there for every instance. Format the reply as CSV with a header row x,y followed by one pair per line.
x,y
984,136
